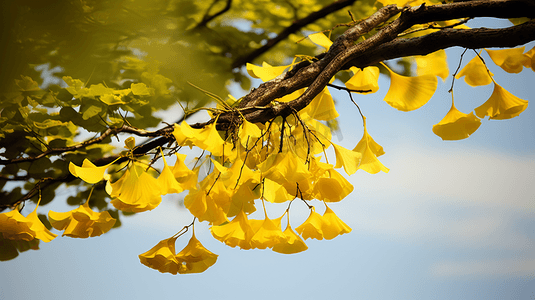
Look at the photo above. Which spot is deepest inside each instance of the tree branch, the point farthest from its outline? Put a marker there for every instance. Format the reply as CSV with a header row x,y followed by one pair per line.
x,y
207,18
105,134
385,45
296,25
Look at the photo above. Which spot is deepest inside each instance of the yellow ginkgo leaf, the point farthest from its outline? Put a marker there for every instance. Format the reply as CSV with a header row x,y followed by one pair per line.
x,y
366,79
370,150
162,257
14,226
82,222
275,192
167,180
243,198
531,56
312,227
456,125
186,177
321,39
195,258
39,229
184,134
88,172
212,141
332,188
409,93
333,226
269,234
512,60
136,190
237,232
322,107
293,243
248,133
266,72
475,73
433,64
346,158
284,167
501,105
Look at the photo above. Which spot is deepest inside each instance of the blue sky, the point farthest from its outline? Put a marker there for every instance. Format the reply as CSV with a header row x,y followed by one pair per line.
x,y
451,220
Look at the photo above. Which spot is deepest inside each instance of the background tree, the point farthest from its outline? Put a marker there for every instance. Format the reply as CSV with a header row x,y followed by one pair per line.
x,y
124,63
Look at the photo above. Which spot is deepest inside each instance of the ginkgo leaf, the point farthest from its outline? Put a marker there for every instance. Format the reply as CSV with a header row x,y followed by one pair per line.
x,y
140,89
248,133
531,56
39,229
195,258
237,232
511,60
333,225
82,222
370,150
320,39
136,190
409,93
185,135
332,188
366,79
243,198
283,167
268,235
275,192
312,227
456,125
112,99
212,141
293,243
14,226
346,158
322,107
162,257
167,180
434,63
27,84
501,105
88,172
475,73
266,72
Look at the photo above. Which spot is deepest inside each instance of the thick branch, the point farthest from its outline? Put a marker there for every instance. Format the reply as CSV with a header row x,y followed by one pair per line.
x,y
443,39
315,76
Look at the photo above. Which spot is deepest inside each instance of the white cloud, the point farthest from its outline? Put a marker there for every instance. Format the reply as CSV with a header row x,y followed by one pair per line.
x,y
462,198
511,268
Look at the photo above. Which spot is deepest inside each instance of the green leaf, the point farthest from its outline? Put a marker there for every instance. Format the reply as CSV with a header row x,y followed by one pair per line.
x,y
27,84
140,89
48,123
90,108
112,99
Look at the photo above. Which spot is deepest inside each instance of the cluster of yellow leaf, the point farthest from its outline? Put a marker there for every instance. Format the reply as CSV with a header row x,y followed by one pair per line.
x,y
194,258
81,222
19,233
501,104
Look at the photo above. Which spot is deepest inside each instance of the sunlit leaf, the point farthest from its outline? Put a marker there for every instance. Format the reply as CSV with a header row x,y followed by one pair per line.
x,y
501,105
410,93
